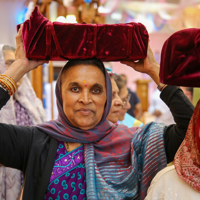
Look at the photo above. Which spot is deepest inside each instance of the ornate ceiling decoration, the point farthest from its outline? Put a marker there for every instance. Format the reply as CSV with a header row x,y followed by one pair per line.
x,y
156,15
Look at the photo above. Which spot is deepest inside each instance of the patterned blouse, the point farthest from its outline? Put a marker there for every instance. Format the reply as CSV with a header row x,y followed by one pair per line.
x,y
21,114
68,176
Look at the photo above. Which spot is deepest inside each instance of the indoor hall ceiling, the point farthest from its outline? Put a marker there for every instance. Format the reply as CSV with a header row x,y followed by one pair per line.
x,y
157,15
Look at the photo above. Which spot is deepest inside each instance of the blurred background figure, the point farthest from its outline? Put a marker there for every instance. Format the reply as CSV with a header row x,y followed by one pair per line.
x,y
125,96
116,101
23,108
135,109
159,109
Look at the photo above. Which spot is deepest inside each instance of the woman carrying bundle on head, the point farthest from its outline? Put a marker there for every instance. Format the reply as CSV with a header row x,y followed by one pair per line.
x,y
82,155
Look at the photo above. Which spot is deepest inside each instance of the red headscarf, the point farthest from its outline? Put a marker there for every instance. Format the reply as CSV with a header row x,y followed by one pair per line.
x,y
187,158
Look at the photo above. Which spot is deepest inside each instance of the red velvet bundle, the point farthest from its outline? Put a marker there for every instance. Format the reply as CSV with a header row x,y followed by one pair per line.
x,y
62,41
180,59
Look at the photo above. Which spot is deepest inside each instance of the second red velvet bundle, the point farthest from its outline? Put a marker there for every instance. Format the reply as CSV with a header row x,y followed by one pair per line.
x,y
180,59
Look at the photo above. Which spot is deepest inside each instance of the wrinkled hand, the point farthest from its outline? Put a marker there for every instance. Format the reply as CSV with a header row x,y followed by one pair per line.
x,y
21,56
147,65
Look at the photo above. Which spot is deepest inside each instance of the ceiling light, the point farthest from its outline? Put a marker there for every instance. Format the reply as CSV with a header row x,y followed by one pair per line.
x,y
71,19
61,19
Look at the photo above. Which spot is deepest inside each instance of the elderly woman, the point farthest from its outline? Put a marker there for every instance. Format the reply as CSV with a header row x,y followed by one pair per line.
x,y
81,154
116,105
24,109
118,110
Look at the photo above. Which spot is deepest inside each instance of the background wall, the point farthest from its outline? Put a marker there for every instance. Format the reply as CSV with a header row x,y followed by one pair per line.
x,y
11,13
156,42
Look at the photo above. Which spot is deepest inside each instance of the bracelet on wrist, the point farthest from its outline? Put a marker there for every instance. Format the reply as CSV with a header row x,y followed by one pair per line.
x,y
8,84
161,86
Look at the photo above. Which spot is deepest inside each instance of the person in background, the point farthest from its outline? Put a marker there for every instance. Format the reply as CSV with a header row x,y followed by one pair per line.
x,y
136,107
160,110
23,108
116,105
124,117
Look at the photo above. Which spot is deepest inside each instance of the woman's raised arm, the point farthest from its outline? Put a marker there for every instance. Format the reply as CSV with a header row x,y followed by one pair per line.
x,y
22,65
179,105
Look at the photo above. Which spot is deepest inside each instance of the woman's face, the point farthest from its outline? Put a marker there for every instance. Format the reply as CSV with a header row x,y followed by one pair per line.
x,y
84,95
123,95
116,103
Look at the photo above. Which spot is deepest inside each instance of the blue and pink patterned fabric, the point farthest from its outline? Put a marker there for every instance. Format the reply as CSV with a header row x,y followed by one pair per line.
x,y
68,177
120,162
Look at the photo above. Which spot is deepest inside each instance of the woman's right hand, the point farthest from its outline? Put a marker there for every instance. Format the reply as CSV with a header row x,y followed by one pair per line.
x,y
22,64
20,54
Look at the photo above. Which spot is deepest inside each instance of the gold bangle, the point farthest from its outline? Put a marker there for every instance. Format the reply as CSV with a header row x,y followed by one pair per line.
x,y
5,87
161,86
9,85
12,86
10,80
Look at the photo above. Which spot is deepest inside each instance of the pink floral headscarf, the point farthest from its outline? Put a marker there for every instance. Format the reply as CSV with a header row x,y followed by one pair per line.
x,y
187,158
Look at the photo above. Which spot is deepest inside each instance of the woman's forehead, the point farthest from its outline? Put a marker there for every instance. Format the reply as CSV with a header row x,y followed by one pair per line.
x,y
84,74
123,92
114,86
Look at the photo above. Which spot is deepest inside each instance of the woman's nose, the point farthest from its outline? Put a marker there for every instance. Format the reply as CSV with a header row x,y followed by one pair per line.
x,y
118,101
85,97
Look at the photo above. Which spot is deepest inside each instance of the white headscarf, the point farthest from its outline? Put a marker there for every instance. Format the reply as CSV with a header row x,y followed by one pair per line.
x,y
26,96
11,179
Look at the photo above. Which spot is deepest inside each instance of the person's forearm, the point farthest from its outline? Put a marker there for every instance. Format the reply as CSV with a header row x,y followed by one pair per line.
x,y
16,71
154,74
179,105
182,110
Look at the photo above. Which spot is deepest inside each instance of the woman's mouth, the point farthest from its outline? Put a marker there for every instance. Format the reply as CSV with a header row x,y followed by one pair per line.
x,y
116,112
84,111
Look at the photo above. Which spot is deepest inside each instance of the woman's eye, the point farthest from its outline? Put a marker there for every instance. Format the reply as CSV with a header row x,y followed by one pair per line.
x,y
75,89
96,91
